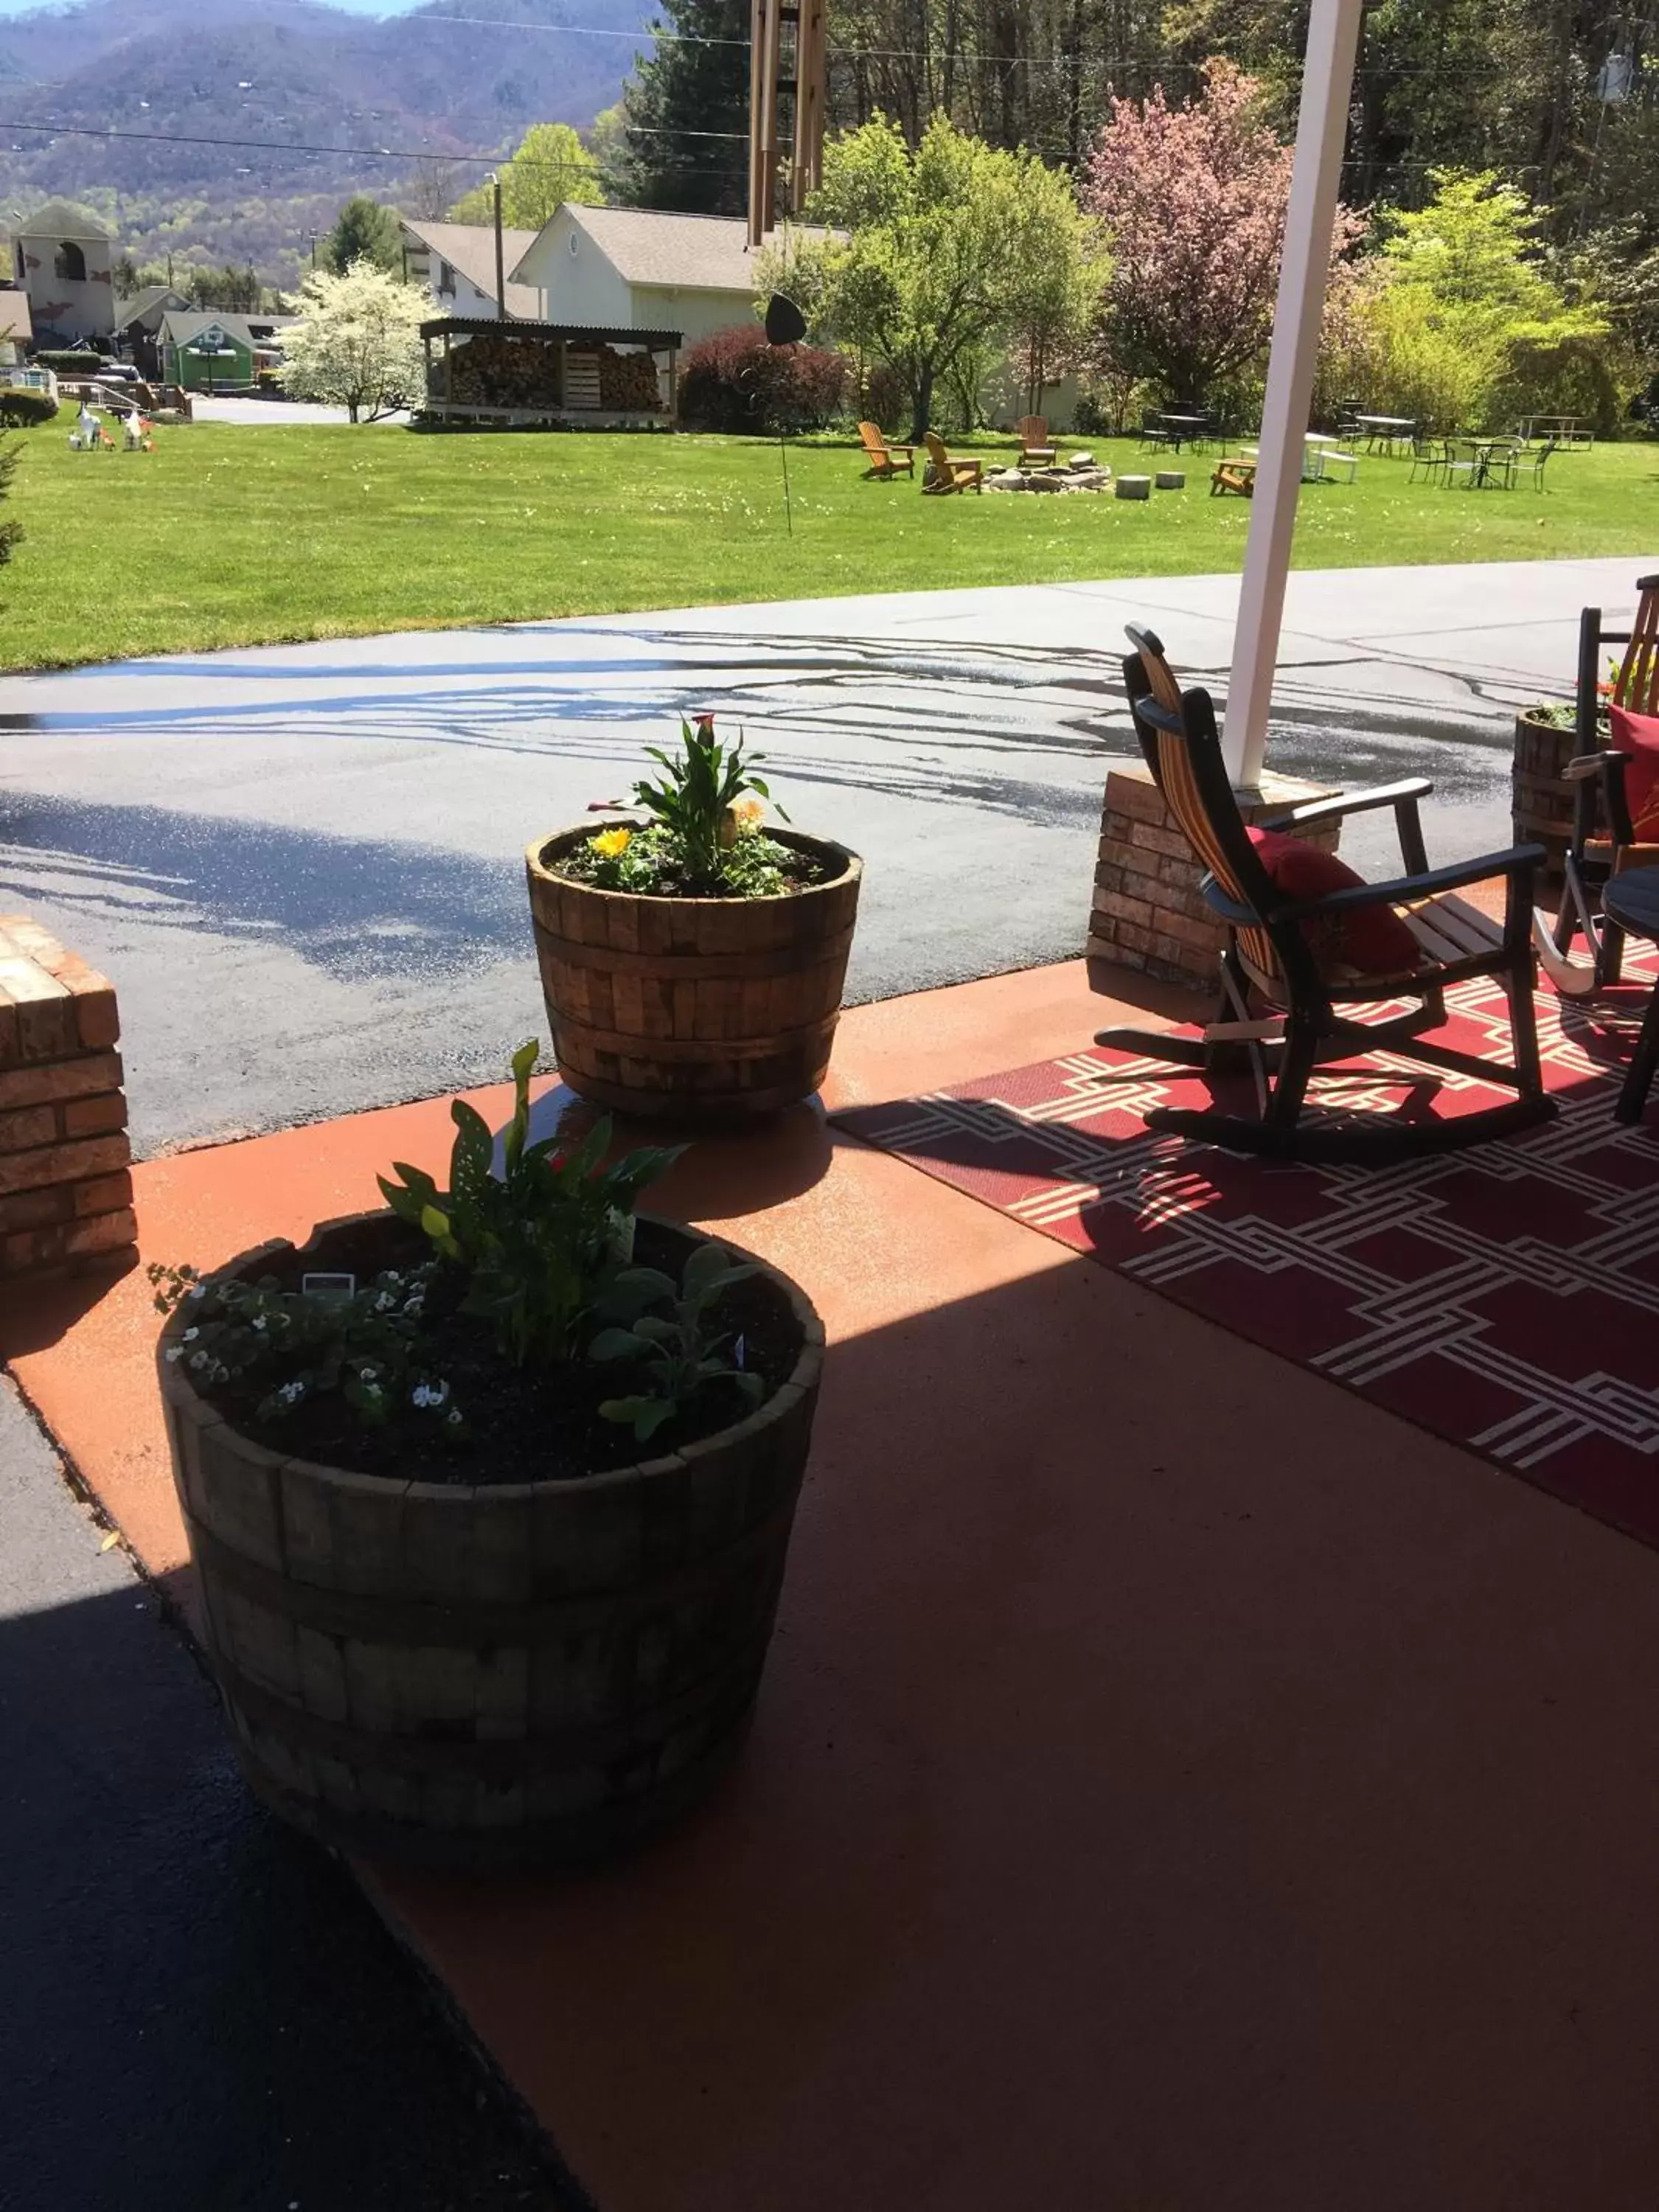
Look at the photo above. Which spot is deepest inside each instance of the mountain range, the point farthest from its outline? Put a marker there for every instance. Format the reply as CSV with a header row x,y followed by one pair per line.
x,y
214,112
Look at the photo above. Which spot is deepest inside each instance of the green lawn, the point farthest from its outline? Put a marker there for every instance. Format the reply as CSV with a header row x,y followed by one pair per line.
x,y
229,535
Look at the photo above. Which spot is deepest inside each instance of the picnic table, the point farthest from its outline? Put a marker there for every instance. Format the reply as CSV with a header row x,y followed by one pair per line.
x,y
1388,430
1562,429
1316,444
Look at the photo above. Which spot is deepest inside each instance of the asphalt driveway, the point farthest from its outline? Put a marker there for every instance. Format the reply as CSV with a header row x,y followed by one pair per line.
x,y
301,865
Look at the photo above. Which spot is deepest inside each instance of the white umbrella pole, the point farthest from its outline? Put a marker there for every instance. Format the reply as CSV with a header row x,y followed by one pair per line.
x,y
1321,129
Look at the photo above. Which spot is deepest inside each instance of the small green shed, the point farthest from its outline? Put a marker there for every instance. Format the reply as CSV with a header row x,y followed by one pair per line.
x,y
205,352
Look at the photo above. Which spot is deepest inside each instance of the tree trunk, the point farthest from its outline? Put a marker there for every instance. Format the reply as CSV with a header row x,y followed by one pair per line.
x,y
922,397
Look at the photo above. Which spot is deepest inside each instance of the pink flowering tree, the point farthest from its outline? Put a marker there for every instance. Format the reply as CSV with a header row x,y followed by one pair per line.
x,y
1192,199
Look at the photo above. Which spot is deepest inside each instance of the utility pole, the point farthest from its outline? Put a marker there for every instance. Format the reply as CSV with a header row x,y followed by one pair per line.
x,y
494,182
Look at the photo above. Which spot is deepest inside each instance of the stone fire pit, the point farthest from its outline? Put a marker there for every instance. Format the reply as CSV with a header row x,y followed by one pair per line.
x,y
1080,473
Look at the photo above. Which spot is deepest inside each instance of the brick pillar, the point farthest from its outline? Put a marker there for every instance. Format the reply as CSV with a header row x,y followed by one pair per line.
x,y
1148,912
65,1191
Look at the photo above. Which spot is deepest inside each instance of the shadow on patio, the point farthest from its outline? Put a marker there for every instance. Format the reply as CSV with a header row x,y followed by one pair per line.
x,y
1178,1786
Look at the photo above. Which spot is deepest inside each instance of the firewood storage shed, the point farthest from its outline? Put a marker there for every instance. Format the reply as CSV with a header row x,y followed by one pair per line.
x,y
488,373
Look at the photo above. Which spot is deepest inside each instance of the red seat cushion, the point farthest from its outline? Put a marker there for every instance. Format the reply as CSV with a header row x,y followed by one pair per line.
x,y
1636,736
1373,940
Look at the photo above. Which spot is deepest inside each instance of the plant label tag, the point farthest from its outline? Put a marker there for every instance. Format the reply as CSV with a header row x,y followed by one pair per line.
x,y
333,1290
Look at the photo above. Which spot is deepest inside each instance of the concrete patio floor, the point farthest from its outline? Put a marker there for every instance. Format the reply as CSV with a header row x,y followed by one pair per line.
x,y
1178,1786
303,865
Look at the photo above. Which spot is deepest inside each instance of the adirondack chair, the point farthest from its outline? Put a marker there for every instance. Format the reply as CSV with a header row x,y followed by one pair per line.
x,y
1616,796
886,460
1288,972
1035,451
946,475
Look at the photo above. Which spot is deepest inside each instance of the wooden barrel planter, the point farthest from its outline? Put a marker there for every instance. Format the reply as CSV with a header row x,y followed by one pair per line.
x,y
716,1009
1541,796
490,1675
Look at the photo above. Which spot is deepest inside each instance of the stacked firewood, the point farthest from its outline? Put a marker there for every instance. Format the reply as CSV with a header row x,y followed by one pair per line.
x,y
493,371
628,380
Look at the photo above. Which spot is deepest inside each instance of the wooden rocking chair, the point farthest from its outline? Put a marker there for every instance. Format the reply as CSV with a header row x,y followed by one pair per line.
x,y
1605,840
1271,961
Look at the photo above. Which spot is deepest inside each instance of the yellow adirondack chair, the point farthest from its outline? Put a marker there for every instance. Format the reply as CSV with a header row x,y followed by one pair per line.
x,y
945,474
886,460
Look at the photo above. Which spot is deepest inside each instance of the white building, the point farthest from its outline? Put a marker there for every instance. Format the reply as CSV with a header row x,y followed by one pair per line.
x,y
636,268
456,262
64,261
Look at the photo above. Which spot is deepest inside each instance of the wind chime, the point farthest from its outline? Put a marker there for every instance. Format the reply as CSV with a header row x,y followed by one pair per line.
x,y
786,61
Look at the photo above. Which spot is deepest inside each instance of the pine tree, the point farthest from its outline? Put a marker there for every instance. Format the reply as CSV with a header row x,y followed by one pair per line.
x,y
696,83
364,231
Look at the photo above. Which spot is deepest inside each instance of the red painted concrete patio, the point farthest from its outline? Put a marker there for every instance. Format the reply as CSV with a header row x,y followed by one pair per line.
x,y
1177,1785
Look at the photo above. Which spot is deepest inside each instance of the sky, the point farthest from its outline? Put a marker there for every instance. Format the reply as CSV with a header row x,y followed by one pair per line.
x,y
350,7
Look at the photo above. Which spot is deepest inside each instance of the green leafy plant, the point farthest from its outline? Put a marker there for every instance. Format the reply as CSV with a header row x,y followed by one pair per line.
x,y
364,1348
696,798
539,1241
678,1354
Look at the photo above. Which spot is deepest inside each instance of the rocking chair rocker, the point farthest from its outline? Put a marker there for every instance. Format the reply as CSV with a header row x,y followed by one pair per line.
x,y
1270,954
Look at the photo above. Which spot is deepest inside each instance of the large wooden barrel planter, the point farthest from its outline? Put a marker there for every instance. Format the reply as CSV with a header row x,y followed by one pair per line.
x,y
490,1675
1541,796
714,1009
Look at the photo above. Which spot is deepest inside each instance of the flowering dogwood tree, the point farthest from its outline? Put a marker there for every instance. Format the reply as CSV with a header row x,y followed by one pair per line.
x,y
1193,202
357,342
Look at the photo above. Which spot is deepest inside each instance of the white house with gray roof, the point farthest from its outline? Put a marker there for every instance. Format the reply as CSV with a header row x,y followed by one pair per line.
x,y
456,262
637,268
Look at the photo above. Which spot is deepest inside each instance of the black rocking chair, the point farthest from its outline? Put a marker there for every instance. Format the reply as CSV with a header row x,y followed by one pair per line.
x,y
1604,841
1282,1003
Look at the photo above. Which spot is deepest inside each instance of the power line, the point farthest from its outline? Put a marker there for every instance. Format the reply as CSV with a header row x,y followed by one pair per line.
x,y
292,146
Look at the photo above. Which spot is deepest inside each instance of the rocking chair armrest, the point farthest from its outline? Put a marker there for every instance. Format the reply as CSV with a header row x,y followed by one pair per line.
x,y
1409,789
1518,861
1402,797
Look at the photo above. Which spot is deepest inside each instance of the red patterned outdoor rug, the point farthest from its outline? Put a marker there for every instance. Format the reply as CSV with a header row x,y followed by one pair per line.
x,y
1506,1296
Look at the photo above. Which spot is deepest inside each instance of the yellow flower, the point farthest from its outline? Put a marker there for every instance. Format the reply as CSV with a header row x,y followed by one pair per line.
x,y
613,842
747,812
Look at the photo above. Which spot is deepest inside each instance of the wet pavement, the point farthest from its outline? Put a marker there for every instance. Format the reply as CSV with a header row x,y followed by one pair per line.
x,y
303,864
201,2013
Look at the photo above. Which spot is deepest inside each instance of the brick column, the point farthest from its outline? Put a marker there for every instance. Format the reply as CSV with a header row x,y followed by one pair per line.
x,y
65,1191
1147,910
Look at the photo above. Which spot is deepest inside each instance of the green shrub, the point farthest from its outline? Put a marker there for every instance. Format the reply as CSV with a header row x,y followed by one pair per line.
x,y
20,409
78,363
